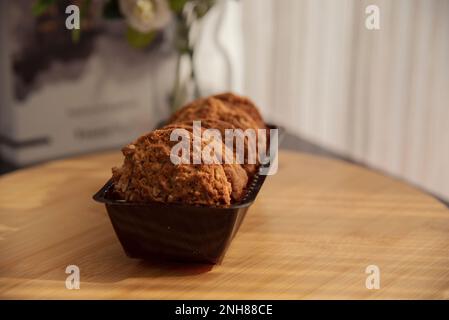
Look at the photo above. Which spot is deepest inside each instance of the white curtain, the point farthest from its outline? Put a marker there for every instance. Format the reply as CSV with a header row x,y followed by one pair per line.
x,y
378,96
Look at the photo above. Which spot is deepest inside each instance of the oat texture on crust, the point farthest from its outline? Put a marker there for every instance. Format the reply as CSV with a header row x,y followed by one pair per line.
x,y
243,103
214,109
148,174
221,126
235,173
219,111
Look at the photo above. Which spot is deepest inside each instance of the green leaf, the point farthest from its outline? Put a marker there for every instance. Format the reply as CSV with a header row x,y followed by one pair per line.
x,y
138,39
177,5
111,10
40,6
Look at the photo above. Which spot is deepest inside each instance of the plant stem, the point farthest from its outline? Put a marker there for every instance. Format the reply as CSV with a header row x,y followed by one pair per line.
x,y
197,92
184,46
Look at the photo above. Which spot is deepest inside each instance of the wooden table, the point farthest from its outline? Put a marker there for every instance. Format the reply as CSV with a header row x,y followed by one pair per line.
x,y
315,227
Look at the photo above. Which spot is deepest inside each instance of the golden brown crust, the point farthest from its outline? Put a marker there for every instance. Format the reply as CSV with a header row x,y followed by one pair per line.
x,y
228,108
149,175
243,103
235,173
214,109
221,126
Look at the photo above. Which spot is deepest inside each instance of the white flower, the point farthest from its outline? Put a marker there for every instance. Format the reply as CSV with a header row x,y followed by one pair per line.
x,y
146,15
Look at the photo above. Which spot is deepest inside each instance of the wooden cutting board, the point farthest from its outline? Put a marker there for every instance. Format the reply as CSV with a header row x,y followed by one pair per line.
x,y
314,229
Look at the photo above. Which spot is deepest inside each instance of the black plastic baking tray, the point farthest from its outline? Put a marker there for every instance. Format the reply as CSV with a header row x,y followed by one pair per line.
x,y
177,232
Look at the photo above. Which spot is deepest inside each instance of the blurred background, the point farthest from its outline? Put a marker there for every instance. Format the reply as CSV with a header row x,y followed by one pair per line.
x,y
379,96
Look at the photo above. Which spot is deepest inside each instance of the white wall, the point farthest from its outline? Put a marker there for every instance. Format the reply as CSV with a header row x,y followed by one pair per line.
x,y
380,97
219,51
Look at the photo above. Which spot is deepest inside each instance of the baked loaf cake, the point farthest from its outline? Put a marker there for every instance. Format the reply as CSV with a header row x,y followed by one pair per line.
x,y
243,103
236,174
234,111
149,175
214,109
221,126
